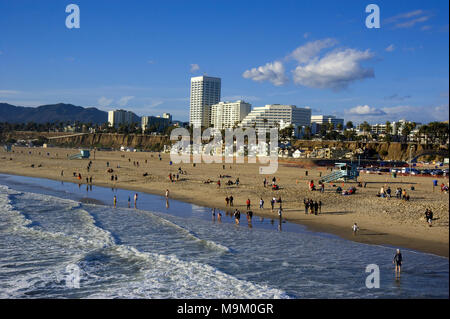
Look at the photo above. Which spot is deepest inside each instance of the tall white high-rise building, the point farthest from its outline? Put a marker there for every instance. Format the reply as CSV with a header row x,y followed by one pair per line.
x,y
229,114
118,117
205,91
277,116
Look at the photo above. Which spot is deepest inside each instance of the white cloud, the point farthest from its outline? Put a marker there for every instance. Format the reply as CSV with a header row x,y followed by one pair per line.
x,y
390,48
124,100
419,114
194,67
241,97
8,92
305,53
336,70
408,19
272,71
365,110
103,101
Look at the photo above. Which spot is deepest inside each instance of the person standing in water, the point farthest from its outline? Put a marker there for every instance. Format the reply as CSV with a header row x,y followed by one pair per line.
x,y
115,201
167,193
129,201
355,228
135,199
398,259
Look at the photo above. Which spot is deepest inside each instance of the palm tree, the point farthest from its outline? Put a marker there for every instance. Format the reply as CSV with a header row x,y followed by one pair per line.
x,y
349,125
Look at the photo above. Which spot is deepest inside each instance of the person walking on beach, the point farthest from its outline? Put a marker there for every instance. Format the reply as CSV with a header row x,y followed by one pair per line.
x,y
306,204
261,203
320,207
355,228
429,216
135,199
248,203
265,182
272,203
316,208
398,259
227,201
231,200
115,201
167,193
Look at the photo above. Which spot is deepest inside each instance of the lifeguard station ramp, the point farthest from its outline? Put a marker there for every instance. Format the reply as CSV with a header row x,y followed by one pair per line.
x,y
342,171
82,154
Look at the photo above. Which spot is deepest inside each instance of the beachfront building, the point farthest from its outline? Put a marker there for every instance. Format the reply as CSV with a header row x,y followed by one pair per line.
x,y
205,91
167,116
155,123
229,114
326,119
277,116
119,117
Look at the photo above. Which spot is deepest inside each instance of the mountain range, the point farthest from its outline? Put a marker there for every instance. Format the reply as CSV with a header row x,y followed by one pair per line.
x,y
52,113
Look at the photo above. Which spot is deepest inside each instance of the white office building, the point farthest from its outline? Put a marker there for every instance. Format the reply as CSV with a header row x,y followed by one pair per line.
x,y
278,116
119,117
229,114
325,119
205,91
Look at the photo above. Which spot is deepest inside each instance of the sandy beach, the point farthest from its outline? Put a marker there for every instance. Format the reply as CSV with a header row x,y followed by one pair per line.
x,y
382,221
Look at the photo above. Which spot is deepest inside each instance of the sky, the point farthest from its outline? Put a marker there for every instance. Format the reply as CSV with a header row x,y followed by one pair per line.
x,y
140,55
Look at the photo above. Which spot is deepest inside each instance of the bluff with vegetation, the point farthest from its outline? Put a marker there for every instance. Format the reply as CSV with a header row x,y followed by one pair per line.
x,y
383,150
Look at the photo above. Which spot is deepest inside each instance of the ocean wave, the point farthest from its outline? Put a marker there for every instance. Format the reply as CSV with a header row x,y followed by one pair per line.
x,y
137,275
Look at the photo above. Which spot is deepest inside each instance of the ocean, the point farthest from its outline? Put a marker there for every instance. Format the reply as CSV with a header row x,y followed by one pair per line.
x,y
64,240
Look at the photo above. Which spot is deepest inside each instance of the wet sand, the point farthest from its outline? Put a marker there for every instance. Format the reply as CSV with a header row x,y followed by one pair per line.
x,y
382,221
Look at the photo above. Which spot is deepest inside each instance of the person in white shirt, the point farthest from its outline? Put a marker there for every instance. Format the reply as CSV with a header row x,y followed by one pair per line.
x,y
355,228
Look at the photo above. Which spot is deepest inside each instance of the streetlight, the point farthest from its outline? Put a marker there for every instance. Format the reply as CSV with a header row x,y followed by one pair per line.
x,y
410,159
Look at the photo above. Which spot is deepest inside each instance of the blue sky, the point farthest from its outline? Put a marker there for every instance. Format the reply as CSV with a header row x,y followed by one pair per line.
x,y
139,55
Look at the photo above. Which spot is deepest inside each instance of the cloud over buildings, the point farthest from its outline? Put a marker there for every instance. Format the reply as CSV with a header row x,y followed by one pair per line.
x,y
271,71
335,69
194,68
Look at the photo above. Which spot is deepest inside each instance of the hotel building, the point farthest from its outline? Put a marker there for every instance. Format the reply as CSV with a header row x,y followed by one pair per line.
x,y
205,91
229,114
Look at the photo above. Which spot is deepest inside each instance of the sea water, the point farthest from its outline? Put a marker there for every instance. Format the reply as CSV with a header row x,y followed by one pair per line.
x,y
63,240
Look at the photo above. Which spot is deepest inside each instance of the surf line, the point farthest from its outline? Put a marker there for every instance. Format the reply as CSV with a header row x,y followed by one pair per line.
x,y
194,309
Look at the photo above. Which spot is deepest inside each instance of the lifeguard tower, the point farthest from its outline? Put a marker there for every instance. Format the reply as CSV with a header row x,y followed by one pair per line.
x,y
342,171
82,154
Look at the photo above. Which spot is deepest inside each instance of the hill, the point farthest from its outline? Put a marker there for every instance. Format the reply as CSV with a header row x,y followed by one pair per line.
x,y
51,113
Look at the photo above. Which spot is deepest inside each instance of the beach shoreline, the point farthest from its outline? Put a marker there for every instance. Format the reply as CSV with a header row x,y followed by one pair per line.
x,y
337,220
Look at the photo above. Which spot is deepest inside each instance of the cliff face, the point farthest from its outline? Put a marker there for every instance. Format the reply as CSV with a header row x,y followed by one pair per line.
x,y
386,151
113,140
